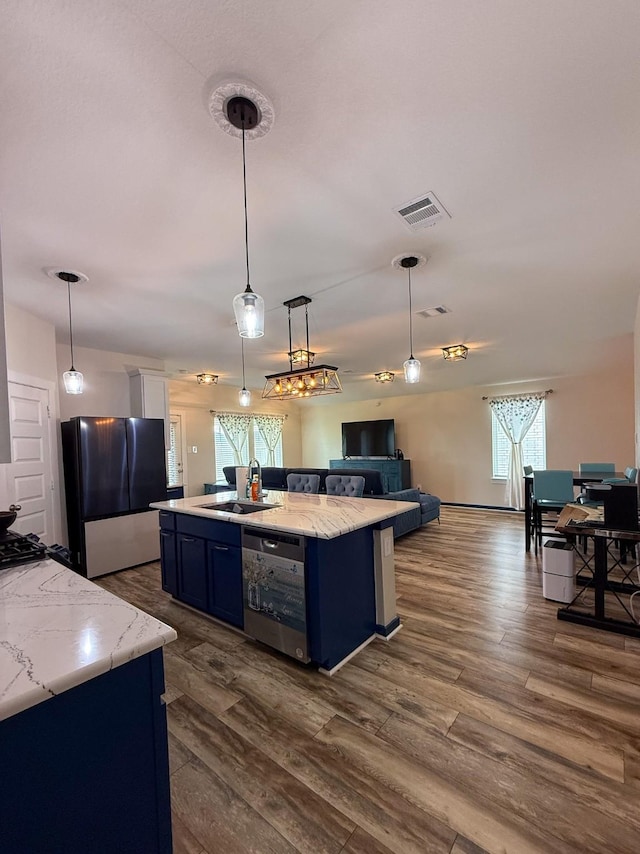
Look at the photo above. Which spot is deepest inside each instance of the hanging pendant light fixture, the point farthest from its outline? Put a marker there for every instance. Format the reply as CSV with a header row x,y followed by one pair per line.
x,y
308,381
408,263
248,306
73,380
244,395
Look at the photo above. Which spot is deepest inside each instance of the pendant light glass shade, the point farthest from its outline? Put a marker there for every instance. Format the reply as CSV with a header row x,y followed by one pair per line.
x,y
412,370
248,308
73,381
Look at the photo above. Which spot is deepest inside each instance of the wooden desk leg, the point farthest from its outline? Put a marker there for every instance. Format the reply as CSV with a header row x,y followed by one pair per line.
x,y
599,574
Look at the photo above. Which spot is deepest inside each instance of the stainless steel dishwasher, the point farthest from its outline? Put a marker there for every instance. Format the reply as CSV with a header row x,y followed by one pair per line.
x,y
273,587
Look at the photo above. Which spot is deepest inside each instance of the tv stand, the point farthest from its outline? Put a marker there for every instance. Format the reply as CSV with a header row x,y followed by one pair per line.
x,y
395,474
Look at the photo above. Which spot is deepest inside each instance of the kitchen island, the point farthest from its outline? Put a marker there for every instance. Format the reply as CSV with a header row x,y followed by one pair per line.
x,y
311,575
83,733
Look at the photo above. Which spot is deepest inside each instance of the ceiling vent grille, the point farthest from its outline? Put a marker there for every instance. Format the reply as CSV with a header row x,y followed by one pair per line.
x,y
436,311
422,212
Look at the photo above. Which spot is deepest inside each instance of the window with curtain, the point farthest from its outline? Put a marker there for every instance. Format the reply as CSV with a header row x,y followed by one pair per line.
x,y
534,445
238,439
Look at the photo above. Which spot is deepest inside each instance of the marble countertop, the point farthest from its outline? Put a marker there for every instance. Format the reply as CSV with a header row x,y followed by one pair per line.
x,y
58,630
324,516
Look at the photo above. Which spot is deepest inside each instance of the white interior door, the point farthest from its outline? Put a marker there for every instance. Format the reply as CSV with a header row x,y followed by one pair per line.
x,y
29,477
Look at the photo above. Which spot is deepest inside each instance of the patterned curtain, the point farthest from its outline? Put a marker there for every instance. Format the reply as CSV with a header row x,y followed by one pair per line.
x,y
235,426
515,414
270,427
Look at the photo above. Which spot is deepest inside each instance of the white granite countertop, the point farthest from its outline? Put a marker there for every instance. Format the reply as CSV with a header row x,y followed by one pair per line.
x,y
324,516
58,630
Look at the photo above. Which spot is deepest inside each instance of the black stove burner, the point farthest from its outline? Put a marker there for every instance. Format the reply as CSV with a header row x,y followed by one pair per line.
x,y
16,548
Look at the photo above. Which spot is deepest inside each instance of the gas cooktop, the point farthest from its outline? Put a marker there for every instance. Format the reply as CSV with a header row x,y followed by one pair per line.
x,y
19,548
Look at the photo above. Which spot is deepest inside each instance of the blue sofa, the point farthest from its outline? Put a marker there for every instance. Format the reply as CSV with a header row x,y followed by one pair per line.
x,y
275,477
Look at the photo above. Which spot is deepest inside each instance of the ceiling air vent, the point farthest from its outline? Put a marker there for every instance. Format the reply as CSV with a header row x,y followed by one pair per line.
x,y
435,311
422,212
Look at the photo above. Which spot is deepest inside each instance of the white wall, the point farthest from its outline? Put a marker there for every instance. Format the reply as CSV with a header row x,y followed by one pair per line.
x,y
447,435
106,381
195,403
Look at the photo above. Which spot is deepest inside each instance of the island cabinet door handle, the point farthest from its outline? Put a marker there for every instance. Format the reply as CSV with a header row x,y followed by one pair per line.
x,y
270,544
221,548
165,534
188,539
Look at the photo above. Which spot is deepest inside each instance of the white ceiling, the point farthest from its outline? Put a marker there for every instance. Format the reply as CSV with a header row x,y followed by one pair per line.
x,y
523,118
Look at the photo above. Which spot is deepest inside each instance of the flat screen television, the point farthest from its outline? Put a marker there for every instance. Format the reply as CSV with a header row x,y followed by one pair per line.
x,y
369,438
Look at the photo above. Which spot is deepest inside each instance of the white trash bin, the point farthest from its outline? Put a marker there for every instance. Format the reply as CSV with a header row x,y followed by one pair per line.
x,y
558,571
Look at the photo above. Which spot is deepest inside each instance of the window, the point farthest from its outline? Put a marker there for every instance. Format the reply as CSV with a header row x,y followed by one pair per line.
x,y
250,443
174,454
534,446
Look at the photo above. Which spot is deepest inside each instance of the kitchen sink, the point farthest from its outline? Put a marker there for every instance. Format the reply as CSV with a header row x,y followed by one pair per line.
x,y
239,507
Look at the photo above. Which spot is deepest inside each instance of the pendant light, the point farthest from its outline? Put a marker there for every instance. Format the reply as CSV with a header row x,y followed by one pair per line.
x,y
73,380
248,306
244,395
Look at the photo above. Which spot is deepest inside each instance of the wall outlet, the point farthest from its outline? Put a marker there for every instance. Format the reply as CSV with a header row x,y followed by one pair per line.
x,y
419,486
194,449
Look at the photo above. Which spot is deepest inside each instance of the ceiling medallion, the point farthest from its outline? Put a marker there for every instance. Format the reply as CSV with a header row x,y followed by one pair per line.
x,y
384,377
455,353
305,381
207,379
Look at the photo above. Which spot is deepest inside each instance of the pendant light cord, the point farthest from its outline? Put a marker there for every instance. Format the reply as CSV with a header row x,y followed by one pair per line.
x,y
410,317
246,220
70,326
244,385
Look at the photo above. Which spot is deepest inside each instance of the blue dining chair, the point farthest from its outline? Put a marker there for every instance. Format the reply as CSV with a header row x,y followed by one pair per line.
x,y
552,489
601,468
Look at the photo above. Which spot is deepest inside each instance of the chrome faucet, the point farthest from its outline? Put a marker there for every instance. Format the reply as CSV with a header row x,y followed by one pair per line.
x,y
256,468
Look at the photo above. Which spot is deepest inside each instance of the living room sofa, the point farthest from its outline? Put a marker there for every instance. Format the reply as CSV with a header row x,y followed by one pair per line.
x,y
275,477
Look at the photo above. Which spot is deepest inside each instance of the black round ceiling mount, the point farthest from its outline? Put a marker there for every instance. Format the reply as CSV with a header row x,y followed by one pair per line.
x,y
242,113
409,261
72,278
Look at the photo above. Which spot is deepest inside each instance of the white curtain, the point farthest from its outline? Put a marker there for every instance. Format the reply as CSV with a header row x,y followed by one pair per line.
x,y
270,427
515,414
235,426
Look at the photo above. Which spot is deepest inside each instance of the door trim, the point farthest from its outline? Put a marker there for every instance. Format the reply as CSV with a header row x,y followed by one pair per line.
x,y
55,446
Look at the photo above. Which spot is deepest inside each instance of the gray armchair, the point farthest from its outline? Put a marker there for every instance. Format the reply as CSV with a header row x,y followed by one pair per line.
x,y
299,482
349,485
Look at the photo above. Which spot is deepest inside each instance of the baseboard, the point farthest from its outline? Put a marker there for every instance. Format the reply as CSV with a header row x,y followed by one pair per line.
x,y
480,506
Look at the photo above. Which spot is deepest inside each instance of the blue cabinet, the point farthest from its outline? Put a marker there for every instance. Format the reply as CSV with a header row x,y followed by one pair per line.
x,y
395,474
192,571
168,562
201,564
224,568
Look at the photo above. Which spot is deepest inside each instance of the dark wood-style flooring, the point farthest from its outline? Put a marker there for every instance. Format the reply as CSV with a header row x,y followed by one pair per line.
x,y
484,724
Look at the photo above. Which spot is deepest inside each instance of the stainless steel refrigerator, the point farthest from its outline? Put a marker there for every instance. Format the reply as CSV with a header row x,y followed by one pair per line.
x,y
113,469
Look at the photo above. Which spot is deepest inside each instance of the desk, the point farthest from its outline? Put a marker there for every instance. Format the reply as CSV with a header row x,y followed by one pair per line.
x,y
578,480
601,581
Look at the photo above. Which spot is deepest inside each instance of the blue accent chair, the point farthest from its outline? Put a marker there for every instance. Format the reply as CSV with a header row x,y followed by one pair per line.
x,y
299,482
348,485
552,489
585,468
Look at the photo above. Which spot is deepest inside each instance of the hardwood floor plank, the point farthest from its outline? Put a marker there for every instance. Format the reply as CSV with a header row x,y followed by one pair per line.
x,y
472,816
619,688
360,842
184,842
197,683
511,795
310,824
381,811
179,755
219,818
611,798
465,846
